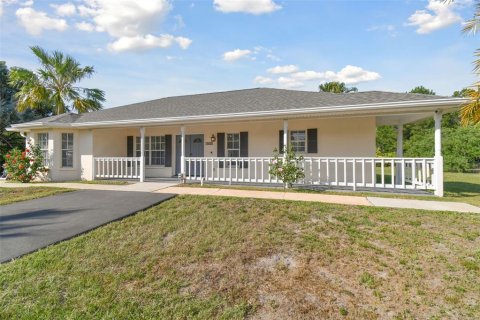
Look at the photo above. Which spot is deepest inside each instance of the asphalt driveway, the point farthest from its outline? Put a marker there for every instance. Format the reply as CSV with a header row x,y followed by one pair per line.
x,y
30,225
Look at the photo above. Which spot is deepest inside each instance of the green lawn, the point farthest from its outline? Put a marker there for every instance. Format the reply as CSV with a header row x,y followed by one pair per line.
x,y
198,257
10,195
460,187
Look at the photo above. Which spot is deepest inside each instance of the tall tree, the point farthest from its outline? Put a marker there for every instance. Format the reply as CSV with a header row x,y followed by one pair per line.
x,y
422,90
336,87
55,85
8,114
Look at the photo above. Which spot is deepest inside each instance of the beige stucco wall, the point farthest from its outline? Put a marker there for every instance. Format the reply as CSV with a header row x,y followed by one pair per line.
x,y
336,137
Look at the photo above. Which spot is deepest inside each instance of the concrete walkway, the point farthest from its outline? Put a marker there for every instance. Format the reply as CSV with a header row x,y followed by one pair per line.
x,y
136,186
336,199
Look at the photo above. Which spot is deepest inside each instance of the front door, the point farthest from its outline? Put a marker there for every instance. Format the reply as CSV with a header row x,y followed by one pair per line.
x,y
193,148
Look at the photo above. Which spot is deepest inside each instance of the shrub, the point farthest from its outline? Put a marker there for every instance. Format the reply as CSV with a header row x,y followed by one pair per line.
x,y
460,147
24,166
286,168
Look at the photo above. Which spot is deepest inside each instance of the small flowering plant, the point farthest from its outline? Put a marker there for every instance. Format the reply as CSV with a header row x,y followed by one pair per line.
x,y
24,166
286,167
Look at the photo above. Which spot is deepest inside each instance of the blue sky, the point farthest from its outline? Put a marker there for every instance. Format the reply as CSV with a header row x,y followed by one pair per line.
x,y
148,49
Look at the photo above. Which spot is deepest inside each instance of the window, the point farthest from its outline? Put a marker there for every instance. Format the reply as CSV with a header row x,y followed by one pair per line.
x,y
154,150
157,148
42,139
233,144
67,150
298,140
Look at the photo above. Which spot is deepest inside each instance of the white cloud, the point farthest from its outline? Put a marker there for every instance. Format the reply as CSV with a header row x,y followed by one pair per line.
x,y
246,6
27,3
351,75
295,79
179,23
273,57
283,69
183,42
131,23
236,54
262,80
437,16
5,2
35,22
388,28
85,26
127,18
308,75
65,9
287,82
148,42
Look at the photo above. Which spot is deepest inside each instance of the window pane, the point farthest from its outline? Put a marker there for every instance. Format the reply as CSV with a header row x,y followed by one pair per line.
x,y
233,153
43,141
297,140
156,158
67,150
233,145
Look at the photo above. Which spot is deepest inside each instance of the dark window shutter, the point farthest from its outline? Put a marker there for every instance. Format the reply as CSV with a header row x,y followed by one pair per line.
x,y
130,146
312,141
244,147
243,144
220,147
280,141
168,150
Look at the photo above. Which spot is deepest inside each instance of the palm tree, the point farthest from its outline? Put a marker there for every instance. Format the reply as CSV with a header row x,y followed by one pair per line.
x,y
470,112
336,87
54,85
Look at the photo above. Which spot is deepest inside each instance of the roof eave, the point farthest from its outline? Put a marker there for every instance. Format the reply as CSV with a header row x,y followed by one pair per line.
x,y
410,106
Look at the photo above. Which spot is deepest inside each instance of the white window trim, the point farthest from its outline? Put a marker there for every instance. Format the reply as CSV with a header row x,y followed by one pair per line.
x,y
226,144
305,151
149,149
45,151
72,167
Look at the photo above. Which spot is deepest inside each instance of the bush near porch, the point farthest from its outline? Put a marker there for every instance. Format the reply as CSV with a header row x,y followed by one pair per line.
x,y
24,166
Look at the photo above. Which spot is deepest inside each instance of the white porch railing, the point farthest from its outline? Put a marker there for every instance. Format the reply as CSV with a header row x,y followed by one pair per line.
x,y
116,167
391,173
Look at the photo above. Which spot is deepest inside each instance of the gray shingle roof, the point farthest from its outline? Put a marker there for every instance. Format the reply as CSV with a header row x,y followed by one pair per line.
x,y
238,101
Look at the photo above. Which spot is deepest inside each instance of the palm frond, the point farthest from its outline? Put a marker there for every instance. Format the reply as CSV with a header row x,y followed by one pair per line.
x,y
54,84
470,112
41,54
86,105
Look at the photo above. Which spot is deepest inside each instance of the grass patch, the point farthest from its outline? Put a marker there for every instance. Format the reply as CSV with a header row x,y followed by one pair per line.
x,y
11,195
459,187
198,257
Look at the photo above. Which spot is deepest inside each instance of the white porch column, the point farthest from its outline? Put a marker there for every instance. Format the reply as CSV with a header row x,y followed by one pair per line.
x,y
285,137
142,154
438,154
399,153
182,158
400,141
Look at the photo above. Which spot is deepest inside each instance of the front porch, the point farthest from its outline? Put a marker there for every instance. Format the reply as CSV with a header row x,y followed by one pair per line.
x,y
190,164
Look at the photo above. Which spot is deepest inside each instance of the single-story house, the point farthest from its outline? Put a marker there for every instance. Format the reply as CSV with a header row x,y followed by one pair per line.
x,y
230,137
